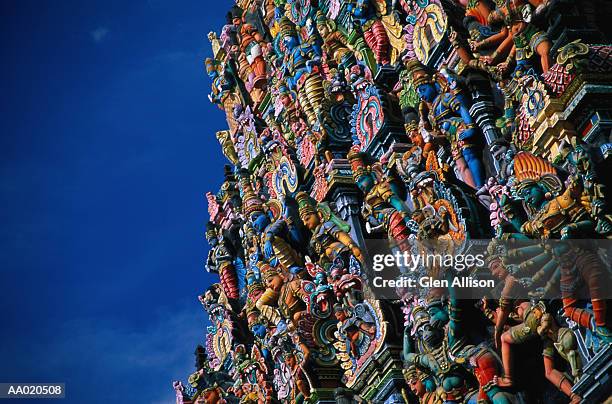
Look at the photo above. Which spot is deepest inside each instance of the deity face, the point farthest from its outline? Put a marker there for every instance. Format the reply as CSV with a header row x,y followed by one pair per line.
x,y
427,92
285,99
416,386
311,220
254,255
431,335
438,316
290,42
323,29
498,269
340,315
240,350
275,282
416,138
534,196
290,361
260,221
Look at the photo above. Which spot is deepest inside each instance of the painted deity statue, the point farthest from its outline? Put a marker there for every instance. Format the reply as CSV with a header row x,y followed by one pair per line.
x,y
556,211
527,38
250,372
224,92
330,238
356,331
230,39
453,379
533,322
252,45
421,385
285,292
536,323
219,82
382,205
335,44
415,160
272,254
579,160
485,36
287,112
277,237
290,376
301,69
459,370
220,260
258,321
365,15
447,114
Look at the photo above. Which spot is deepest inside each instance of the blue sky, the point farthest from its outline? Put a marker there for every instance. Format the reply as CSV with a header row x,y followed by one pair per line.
x,y
108,147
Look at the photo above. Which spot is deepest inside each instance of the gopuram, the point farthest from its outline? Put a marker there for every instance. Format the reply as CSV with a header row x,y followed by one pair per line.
x,y
361,126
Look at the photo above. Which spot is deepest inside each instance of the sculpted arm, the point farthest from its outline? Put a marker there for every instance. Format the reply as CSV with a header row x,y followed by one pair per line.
x,y
347,240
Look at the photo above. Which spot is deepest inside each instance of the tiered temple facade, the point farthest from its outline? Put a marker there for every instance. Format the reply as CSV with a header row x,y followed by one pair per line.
x,y
356,124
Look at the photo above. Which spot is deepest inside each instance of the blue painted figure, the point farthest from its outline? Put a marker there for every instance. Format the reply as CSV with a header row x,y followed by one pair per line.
x,y
446,114
301,70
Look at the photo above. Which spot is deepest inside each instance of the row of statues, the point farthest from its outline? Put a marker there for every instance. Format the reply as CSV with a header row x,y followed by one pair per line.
x,y
356,127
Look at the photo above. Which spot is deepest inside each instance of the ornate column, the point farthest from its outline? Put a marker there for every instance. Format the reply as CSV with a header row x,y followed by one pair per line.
x,y
483,111
345,195
347,205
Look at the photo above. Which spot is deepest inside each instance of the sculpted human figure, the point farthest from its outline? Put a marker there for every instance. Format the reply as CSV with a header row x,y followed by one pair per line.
x,y
487,36
330,238
252,44
445,353
220,260
578,155
301,69
213,71
381,201
557,212
445,113
335,45
452,377
285,292
250,373
528,39
276,239
536,322
357,332
422,386
365,15
294,363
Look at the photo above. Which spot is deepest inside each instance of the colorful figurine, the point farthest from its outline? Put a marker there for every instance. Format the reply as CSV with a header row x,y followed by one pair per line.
x,y
330,238
556,210
220,260
446,114
365,17
302,71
